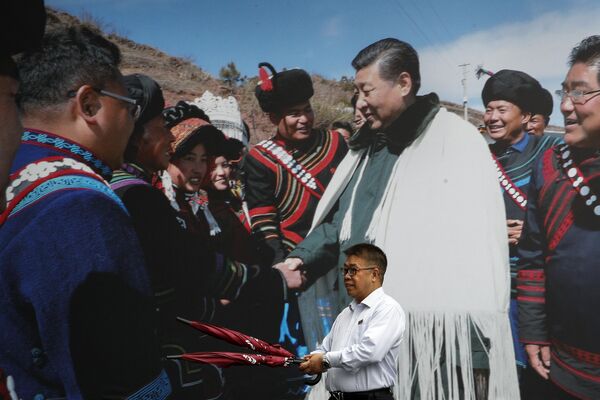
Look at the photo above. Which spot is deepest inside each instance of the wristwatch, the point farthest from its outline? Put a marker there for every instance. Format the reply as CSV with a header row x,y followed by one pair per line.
x,y
325,363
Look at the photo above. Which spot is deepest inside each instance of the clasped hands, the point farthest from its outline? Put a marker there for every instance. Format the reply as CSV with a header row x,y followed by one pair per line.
x,y
313,364
293,273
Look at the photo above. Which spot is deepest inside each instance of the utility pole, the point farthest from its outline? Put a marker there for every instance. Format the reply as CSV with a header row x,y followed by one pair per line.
x,y
464,85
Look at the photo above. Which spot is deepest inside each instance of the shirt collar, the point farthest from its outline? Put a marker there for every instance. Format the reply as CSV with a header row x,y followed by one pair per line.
x,y
521,144
404,130
371,300
65,146
137,171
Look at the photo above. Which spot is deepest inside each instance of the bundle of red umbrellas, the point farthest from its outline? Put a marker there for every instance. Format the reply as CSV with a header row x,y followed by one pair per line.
x,y
272,355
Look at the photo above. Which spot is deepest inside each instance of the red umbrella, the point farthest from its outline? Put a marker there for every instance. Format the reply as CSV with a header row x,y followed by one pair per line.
x,y
239,339
276,355
227,359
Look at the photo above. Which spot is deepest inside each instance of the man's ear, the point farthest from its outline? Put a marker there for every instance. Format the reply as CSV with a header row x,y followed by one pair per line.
x,y
377,274
526,116
87,103
404,80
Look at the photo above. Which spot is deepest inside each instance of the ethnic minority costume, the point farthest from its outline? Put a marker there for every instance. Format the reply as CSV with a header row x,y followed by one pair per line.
x,y
284,185
235,239
281,207
283,188
514,165
284,182
181,266
250,290
77,318
559,268
424,190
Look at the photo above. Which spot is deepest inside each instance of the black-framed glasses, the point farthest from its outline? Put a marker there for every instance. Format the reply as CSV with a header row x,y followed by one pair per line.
x,y
135,109
353,270
576,96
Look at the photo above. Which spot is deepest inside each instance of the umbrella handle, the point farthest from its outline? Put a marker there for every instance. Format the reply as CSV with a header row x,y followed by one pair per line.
x,y
313,381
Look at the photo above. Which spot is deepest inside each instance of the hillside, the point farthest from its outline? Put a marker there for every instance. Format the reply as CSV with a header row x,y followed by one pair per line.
x,y
181,79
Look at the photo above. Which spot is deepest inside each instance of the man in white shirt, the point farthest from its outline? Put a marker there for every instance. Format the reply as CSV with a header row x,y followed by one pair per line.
x,y
361,351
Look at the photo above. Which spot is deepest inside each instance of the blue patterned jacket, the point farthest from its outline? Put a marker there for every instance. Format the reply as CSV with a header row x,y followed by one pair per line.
x,y
76,318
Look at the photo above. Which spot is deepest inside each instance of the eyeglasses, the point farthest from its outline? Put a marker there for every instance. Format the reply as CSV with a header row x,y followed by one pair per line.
x,y
576,96
353,270
135,109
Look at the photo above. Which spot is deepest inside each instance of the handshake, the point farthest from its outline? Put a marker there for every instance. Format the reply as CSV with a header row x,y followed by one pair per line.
x,y
293,273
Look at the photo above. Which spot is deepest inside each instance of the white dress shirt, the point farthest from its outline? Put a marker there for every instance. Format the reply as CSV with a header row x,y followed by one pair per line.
x,y
363,345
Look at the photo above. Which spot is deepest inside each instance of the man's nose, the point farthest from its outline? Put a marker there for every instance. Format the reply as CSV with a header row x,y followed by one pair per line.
x,y
566,106
303,118
361,103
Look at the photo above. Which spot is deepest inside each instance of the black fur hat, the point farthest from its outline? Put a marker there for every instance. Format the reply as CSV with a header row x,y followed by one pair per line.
x,y
282,89
513,86
543,104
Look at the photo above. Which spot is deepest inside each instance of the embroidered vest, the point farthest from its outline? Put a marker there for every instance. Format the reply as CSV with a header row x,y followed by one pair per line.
x,y
44,177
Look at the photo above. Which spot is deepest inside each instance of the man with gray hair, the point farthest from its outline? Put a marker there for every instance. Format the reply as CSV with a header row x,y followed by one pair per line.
x,y
419,183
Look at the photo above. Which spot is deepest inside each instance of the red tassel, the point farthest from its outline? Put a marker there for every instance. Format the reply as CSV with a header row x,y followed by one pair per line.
x,y
265,83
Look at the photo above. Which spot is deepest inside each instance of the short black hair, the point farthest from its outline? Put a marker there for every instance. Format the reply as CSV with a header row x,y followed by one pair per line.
x,y
69,57
370,253
587,52
394,57
342,125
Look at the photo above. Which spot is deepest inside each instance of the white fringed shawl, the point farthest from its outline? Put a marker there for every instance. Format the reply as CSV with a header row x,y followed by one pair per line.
x,y
442,225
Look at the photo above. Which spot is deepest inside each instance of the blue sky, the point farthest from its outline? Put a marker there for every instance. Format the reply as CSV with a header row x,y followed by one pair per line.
x,y
322,36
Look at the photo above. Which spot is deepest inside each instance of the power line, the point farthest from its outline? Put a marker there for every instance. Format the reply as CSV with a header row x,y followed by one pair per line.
x,y
421,32
417,27
435,13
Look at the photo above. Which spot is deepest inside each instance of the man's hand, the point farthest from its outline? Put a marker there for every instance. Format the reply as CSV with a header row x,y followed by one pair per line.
x,y
294,276
539,358
515,228
313,364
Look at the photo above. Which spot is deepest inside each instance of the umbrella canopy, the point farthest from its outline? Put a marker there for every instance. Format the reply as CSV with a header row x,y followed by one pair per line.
x,y
227,359
239,339
276,356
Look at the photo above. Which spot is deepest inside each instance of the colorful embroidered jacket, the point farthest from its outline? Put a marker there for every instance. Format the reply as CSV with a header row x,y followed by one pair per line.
x,y
517,161
281,204
188,277
76,319
235,240
559,273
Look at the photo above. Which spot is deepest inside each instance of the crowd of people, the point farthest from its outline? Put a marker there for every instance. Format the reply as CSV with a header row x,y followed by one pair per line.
x,y
121,213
